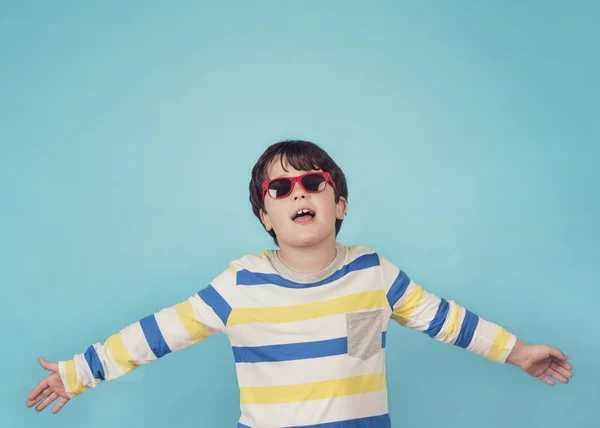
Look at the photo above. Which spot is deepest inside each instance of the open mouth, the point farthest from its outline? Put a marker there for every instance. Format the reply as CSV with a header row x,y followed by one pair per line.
x,y
303,216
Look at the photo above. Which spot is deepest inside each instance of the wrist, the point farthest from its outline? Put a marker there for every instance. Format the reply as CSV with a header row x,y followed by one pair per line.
x,y
515,356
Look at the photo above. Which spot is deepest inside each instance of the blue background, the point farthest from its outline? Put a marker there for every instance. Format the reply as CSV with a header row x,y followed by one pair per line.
x,y
469,132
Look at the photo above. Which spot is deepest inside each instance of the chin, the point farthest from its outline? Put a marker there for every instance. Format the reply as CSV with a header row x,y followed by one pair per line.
x,y
306,243
307,240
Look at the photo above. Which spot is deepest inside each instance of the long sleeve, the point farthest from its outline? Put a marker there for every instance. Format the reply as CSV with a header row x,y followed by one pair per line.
x,y
184,324
443,320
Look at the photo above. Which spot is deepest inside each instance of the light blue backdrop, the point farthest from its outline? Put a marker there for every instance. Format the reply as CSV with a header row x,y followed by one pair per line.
x,y
469,132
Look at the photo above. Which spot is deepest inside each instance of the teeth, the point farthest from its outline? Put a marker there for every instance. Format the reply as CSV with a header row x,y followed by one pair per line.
x,y
303,211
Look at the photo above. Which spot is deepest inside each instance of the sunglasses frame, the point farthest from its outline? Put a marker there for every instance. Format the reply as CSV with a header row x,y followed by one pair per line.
x,y
298,179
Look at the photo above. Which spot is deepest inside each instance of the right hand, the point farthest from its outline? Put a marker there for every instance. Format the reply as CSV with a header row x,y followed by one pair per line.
x,y
49,389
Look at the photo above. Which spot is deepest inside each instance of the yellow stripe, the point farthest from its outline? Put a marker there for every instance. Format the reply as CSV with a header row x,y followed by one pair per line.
x,y
263,254
307,311
195,329
120,354
75,386
232,268
407,307
499,345
453,322
312,391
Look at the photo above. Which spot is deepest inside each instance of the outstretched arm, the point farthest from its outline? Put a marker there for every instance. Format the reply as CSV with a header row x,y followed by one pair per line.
x,y
448,322
146,340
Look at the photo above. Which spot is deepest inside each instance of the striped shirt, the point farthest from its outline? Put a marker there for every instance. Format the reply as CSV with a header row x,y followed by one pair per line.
x,y
309,349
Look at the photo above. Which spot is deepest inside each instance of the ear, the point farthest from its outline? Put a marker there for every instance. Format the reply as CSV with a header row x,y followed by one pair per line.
x,y
340,208
264,218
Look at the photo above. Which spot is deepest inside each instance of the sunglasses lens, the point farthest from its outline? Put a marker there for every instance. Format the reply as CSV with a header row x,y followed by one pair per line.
x,y
314,182
280,188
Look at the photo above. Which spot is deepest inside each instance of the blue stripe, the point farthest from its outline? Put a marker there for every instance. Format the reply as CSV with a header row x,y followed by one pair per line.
x,y
293,351
381,421
467,329
241,425
91,356
212,298
398,288
154,337
245,277
438,321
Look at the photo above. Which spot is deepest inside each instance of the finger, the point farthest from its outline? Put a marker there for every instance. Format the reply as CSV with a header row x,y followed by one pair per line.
x,y
46,402
557,353
53,367
38,389
561,369
60,404
546,379
39,398
563,363
36,400
556,375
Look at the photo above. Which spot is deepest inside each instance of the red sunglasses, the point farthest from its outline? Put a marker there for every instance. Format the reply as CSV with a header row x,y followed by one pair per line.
x,y
312,182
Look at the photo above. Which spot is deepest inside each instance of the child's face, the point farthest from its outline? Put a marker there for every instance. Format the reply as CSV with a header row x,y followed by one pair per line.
x,y
303,231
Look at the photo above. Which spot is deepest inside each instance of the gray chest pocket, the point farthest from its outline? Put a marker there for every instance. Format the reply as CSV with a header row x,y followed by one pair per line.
x,y
364,333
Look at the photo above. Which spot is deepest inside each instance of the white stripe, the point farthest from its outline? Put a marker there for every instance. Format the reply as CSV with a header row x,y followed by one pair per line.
x,y
206,315
84,374
135,341
318,411
259,296
259,334
309,370
483,337
111,368
172,329
245,420
423,314
225,284
390,273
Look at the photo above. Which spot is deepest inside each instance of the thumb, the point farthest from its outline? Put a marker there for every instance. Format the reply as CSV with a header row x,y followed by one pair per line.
x,y
53,367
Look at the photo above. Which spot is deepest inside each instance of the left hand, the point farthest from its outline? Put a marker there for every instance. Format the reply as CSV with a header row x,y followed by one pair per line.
x,y
48,389
541,361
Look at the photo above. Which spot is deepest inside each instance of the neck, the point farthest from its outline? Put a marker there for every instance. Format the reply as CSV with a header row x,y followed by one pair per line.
x,y
313,258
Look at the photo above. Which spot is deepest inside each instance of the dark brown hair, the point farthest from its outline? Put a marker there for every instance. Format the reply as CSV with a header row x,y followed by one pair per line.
x,y
303,156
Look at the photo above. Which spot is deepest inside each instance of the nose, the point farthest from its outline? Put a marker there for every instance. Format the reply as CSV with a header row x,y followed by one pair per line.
x,y
298,192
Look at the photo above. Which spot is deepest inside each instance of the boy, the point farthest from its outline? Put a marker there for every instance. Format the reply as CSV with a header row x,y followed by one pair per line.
x,y
307,323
